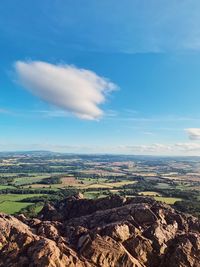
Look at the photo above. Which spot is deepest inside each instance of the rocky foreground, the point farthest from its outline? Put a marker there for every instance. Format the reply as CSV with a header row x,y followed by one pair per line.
x,y
113,231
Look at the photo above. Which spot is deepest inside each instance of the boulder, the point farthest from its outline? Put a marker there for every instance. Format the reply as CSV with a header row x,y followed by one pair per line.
x,y
109,232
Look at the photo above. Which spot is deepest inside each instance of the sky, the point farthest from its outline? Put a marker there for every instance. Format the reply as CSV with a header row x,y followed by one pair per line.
x,y
90,76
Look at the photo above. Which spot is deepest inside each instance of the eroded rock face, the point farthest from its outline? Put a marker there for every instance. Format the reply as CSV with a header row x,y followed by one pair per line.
x,y
109,232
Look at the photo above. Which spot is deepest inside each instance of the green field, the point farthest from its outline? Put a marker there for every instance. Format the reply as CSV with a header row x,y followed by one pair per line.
x,y
106,184
9,203
29,180
11,207
168,200
17,197
6,187
163,186
94,194
38,208
149,193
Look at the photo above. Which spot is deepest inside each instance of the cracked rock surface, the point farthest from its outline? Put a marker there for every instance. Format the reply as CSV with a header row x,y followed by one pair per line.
x,y
107,232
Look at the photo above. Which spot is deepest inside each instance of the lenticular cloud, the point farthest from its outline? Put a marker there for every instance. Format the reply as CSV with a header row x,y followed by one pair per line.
x,y
75,90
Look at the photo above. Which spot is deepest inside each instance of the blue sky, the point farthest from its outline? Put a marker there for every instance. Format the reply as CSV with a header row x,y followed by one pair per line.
x,y
100,76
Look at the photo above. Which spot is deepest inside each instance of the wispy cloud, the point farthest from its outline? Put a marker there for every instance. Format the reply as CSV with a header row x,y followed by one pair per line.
x,y
144,26
148,133
74,90
40,113
111,26
178,149
4,111
54,113
193,133
124,116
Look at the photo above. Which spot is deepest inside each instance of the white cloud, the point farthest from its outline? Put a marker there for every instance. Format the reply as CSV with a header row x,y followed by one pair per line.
x,y
193,133
176,149
162,149
75,90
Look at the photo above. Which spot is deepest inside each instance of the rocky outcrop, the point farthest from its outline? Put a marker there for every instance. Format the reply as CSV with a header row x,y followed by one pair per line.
x,y
107,232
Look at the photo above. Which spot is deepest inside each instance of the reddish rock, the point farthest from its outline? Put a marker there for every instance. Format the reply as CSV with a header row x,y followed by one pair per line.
x,y
109,232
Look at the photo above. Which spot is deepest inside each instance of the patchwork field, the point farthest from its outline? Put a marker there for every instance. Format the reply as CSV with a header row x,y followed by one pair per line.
x,y
50,177
72,182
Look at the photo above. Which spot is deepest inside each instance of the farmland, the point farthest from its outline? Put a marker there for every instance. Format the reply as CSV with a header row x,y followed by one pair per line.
x,y
30,179
12,203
